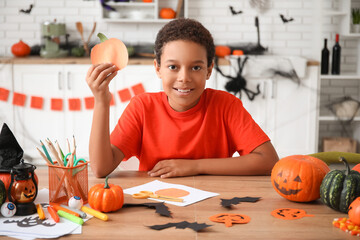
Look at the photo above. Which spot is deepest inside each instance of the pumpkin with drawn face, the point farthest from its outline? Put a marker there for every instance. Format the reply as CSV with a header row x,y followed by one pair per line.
x,y
24,191
298,177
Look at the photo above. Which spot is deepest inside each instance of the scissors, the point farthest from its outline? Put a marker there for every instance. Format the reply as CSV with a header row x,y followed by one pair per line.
x,y
76,160
148,194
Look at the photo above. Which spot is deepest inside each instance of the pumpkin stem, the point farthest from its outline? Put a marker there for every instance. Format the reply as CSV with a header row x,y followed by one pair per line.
x,y
342,159
102,37
106,182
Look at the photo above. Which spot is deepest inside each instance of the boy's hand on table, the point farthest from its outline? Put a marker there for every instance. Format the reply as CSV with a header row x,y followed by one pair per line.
x,y
98,78
174,168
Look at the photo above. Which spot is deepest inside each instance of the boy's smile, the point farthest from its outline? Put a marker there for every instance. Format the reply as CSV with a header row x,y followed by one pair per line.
x,y
183,72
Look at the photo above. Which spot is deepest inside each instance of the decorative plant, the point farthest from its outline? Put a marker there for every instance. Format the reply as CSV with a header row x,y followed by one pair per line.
x,y
356,15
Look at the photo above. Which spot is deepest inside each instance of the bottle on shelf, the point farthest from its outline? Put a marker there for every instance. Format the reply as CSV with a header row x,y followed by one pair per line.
x,y
336,57
325,58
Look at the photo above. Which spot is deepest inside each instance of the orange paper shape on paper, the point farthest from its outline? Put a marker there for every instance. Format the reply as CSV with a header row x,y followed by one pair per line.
x,y
124,94
89,102
112,102
229,218
4,94
74,104
36,102
56,104
289,213
19,99
138,89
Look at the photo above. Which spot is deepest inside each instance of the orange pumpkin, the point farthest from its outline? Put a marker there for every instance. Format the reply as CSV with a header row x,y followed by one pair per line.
x,y
6,178
106,197
298,177
20,49
110,51
167,13
354,211
24,191
222,51
356,168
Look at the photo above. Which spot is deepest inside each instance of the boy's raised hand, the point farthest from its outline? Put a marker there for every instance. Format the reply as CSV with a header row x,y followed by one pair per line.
x,y
98,78
174,168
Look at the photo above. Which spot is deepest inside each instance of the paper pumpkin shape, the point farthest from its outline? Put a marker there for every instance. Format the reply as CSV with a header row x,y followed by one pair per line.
x,y
289,213
298,177
354,211
229,218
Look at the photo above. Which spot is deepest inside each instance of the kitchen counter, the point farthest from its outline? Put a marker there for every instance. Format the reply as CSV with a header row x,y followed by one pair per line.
x,y
84,60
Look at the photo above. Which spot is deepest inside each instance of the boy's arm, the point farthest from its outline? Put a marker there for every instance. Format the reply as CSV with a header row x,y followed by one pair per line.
x,y
259,162
104,157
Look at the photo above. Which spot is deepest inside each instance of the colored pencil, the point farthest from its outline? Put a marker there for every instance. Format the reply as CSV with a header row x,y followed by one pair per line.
x,y
46,152
44,157
54,152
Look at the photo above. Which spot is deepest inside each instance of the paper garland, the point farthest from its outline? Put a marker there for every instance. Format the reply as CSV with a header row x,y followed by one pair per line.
x,y
74,104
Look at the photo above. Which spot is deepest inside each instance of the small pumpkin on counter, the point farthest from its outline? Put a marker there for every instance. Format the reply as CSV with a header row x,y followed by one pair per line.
x,y
354,211
340,188
222,51
298,177
167,13
106,197
20,49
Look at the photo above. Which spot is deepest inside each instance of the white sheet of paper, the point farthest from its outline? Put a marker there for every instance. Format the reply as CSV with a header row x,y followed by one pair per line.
x,y
195,195
64,227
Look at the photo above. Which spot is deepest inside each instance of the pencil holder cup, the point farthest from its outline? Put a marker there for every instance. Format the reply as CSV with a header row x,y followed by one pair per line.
x,y
67,182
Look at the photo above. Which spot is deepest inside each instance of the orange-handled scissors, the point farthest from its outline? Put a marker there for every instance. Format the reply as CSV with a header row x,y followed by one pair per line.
x,y
148,194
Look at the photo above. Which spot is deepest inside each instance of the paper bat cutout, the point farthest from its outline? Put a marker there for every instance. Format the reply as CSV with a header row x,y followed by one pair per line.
x,y
286,20
182,225
233,11
27,11
161,208
236,200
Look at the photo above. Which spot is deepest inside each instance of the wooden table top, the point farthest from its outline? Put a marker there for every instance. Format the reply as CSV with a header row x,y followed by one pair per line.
x,y
131,223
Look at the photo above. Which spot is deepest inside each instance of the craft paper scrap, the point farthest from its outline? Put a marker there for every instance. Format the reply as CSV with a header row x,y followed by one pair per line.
x,y
31,227
188,194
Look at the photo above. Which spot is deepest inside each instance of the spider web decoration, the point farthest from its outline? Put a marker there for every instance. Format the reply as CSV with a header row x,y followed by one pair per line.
x,y
345,110
238,83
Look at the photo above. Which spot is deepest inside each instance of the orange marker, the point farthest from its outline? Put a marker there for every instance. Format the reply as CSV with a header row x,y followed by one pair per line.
x,y
57,207
53,214
40,211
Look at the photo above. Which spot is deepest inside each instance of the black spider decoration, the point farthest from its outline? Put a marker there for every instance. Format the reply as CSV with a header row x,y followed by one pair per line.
x,y
238,83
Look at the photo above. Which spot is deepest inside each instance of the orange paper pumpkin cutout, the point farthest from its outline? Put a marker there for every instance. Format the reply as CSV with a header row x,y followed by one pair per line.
x,y
4,94
289,213
36,102
124,94
89,102
56,104
138,89
19,99
229,218
74,104
172,192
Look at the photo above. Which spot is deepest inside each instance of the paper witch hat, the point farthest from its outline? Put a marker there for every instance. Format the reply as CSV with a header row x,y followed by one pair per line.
x,y
10,151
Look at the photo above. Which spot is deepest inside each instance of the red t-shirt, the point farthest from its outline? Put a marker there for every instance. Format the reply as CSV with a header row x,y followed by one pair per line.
x,y
216,127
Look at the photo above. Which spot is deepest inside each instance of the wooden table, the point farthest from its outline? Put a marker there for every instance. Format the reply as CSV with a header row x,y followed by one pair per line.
x,y
131,223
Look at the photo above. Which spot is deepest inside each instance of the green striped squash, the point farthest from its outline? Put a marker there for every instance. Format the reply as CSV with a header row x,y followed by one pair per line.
x,y
2,193
339,188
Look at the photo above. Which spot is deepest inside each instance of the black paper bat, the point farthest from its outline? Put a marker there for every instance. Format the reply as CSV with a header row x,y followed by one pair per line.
x,y
181,225
286,20
161,208
233,11
236,200
27,11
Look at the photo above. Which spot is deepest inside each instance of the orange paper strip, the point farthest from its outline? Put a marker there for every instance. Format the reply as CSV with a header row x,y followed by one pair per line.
x,y
124,94
89,102
4,94
74,104
36,102
19,99
138,89
56,104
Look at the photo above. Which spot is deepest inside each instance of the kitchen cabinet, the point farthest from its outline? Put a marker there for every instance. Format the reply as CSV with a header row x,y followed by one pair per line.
x,y
285,110
6,108
141,11
52,81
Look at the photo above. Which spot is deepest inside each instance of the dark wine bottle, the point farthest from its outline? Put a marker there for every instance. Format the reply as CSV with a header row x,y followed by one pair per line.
x,y
325,59
336,57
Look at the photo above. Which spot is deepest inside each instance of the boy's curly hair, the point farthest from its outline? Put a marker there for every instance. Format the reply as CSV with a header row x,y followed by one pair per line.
x,y
188,30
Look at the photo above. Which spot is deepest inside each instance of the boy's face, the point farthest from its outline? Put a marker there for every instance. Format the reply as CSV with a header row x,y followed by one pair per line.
x,y
183,72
